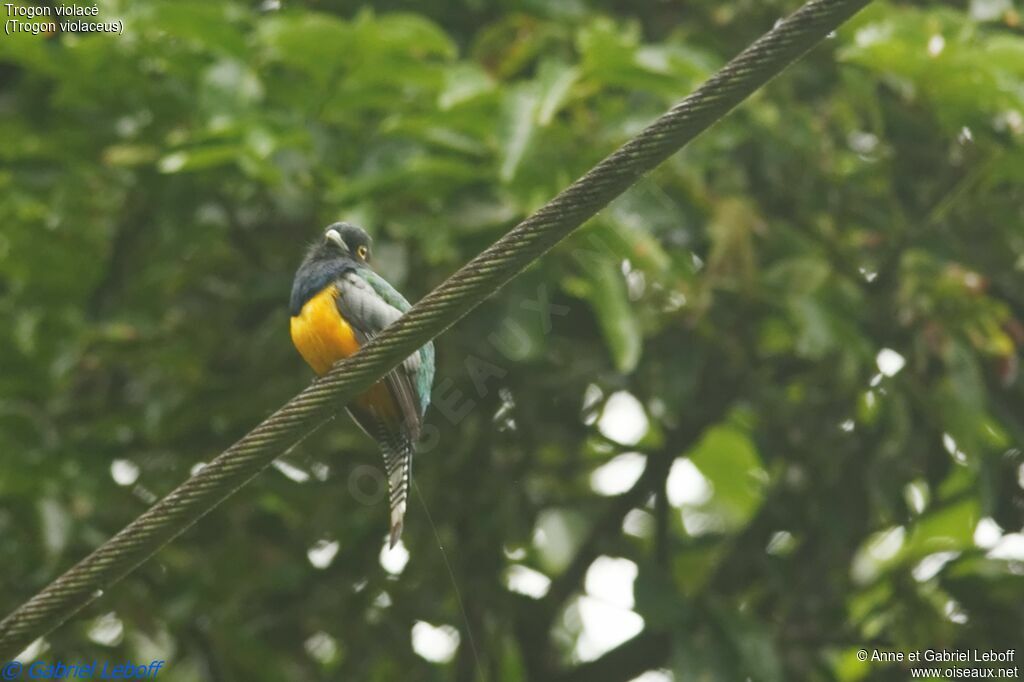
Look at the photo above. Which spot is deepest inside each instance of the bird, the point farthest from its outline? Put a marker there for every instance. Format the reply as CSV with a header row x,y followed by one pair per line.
x,y
338,303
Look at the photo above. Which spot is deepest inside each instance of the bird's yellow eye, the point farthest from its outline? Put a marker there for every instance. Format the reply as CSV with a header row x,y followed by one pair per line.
x,y
362,252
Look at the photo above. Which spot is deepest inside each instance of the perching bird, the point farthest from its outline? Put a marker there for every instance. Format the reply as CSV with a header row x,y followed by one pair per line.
x,y
339,303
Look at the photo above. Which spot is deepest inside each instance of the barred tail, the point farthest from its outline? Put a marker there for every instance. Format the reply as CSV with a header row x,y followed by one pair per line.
x,y
397,449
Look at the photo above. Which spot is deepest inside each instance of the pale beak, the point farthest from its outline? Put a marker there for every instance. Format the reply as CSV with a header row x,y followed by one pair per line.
x,y
334,236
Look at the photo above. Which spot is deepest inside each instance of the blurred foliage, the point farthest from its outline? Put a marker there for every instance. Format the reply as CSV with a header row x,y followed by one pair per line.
x,y
805,330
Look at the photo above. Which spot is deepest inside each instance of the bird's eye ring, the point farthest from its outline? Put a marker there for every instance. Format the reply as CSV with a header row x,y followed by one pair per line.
x,y
362,252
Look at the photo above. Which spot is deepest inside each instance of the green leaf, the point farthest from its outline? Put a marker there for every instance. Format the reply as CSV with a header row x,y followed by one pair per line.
x,y
948,528
519,120
199,158
613,55
210,26
229,87
463,82
556,80
729,460
318,44
402,33
603,285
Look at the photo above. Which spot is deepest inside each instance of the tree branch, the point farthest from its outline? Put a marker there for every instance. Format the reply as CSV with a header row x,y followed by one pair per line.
x,y
644,652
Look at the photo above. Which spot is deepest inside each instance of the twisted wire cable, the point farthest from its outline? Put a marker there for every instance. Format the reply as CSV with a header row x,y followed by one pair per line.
x,y
463,291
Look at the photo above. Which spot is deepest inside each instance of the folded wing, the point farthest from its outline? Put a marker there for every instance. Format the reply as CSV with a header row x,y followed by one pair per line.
x,y
391,412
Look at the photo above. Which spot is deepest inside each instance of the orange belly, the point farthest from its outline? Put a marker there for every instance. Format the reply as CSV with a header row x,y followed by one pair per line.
x,y
322,337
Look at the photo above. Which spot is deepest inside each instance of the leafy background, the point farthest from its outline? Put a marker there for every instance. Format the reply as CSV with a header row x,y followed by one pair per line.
x,y
768,413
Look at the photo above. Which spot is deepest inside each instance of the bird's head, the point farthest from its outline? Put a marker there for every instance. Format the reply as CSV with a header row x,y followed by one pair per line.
x,y
341,247
344,240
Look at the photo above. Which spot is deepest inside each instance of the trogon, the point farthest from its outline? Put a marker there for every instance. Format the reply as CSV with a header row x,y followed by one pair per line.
x,y
339,303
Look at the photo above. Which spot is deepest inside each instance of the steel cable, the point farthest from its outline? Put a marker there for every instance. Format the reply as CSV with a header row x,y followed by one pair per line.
x,y
437,311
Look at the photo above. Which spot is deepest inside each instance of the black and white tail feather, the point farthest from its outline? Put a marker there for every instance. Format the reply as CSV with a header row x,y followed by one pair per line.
x,y
397,448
